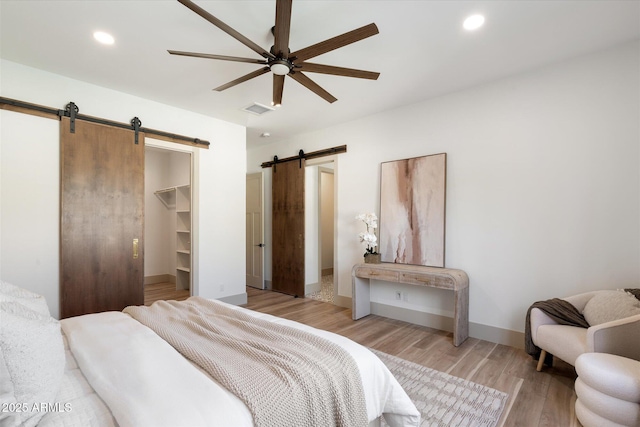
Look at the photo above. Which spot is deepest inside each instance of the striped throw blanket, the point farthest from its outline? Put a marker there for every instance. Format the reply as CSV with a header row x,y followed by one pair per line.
x,y
285,376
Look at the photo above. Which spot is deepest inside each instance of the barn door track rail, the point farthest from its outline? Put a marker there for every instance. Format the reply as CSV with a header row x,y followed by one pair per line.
x,y
302,155
72,111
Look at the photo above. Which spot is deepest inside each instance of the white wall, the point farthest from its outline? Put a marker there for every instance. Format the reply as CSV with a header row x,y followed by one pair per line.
x,y
179,168
311,225
163,169
29,204
29,190
543,184
326,217
159,258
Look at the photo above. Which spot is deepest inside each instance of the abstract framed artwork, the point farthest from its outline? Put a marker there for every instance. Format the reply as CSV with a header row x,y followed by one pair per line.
x,y
412,210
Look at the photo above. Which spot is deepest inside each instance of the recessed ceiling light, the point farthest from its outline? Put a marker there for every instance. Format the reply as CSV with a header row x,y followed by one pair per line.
x,y
473,22
104,38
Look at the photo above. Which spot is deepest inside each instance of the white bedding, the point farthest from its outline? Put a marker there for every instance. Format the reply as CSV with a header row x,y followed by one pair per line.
x,y
144,381
77,404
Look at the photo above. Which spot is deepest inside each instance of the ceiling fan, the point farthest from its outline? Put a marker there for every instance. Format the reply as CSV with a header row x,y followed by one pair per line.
x,y
279,60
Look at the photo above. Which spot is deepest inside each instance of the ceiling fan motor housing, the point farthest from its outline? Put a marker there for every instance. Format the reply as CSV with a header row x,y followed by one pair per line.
x,y
280,66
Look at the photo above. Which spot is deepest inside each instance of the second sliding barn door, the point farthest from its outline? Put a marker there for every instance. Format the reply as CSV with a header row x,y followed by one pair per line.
x,y
101,218
288,228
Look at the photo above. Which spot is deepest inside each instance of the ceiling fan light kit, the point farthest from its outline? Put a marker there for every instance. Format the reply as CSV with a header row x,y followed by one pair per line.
x,y
279,60
280,67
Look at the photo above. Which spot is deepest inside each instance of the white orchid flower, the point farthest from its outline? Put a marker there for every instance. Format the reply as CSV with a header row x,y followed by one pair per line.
x,y
369,237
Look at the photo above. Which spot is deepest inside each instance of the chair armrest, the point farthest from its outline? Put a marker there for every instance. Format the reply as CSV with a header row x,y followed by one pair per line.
x,y
537,319
619,337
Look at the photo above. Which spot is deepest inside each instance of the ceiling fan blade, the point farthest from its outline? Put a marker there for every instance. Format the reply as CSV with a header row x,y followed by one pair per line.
x,y
278,88
338,71
281,30
334,43
227,29
221,57
312,86
243,79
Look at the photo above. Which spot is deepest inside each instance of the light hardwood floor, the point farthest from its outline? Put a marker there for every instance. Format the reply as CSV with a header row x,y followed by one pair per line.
x,y
537,399
163,291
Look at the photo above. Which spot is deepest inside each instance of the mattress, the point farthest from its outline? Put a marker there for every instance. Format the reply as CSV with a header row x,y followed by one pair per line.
x,y
120,373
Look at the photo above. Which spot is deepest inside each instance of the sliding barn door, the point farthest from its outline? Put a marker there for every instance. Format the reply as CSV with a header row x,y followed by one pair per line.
x,y
101,218
288,228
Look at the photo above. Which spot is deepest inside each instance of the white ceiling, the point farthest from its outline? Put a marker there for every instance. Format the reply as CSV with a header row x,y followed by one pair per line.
x,y
421,52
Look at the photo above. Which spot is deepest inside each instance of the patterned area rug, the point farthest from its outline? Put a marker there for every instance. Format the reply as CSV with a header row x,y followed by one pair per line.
x,y
445,400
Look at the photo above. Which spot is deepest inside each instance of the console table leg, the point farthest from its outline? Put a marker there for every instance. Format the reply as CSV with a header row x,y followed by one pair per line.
x,y
461,316
360,297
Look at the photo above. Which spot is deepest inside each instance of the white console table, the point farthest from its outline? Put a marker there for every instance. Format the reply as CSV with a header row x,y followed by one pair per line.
x,y
442,278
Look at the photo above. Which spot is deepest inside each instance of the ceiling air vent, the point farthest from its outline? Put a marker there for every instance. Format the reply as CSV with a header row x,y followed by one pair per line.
x,y
257,109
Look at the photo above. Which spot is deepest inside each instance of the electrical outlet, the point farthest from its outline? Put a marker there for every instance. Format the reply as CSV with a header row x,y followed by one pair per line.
x,y
405,296
398,295
221,287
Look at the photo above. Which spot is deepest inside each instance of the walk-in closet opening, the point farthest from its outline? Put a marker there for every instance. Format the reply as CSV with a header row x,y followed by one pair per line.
x,y
319,230
168,230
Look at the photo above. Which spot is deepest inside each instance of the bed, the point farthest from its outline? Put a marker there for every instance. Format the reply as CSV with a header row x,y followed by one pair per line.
x,y
109,369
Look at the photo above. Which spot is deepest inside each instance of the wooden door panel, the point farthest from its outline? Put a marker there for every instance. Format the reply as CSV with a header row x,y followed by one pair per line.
x,y
102,212
288,228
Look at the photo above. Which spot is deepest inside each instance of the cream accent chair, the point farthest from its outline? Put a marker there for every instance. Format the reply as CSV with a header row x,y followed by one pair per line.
x,y
620,337
608,390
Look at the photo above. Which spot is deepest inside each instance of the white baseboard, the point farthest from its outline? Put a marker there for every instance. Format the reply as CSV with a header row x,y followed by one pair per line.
x,y
341,301
311,288
238,299
476,330
497,335
443,323
160,278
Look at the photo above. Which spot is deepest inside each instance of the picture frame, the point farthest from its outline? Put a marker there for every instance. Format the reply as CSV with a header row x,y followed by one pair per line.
x,y
412,210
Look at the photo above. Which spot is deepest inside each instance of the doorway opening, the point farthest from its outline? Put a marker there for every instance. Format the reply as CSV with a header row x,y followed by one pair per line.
x,y
168,224
320,283
254,231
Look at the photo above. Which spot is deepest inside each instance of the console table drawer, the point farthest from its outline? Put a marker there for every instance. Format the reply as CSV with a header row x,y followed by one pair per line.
x,y
377,274
427,280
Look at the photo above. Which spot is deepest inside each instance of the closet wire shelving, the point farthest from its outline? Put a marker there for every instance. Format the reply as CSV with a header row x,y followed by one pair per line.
x,y
179,198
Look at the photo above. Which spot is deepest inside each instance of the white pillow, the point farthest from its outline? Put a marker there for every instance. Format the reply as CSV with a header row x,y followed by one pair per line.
x,y
36,302
32,358
607,306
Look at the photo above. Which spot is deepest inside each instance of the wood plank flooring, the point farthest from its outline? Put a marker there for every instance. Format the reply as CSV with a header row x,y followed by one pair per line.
x,y
537,399
163,291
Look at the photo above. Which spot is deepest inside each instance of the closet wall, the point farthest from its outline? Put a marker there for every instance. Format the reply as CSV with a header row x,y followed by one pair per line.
x,y
163,169
326,218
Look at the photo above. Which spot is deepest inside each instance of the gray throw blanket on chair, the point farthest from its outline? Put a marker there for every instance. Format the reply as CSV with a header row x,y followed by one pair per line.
x,y
559,310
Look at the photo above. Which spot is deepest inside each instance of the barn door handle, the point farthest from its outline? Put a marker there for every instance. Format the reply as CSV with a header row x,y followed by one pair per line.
x,y
135,248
